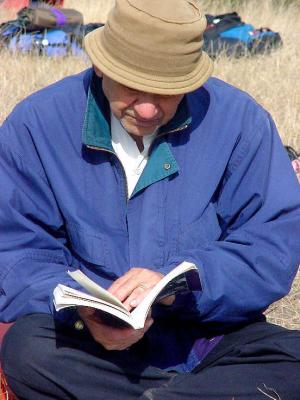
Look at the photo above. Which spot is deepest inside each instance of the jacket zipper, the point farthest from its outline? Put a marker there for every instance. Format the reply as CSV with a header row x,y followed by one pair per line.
x,y
181,128
166,133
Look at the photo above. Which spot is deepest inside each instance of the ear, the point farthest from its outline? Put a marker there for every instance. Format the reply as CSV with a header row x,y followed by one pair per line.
x,y
97,71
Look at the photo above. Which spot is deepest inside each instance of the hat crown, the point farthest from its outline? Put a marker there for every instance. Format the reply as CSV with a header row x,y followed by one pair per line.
x,y
180,11
142,34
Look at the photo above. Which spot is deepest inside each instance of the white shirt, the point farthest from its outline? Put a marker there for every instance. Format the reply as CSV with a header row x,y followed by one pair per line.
x,y
126,149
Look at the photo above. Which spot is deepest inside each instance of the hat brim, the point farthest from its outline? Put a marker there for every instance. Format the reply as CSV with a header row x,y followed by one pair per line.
x,y
145,82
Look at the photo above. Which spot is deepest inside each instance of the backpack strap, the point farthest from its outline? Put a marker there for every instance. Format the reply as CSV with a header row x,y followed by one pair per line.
x,y
60,17
217,24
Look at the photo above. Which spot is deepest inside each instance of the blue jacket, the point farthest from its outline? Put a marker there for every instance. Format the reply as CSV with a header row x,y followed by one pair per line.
x,y
218,190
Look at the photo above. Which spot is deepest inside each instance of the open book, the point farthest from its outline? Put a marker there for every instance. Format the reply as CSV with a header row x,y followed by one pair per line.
x,y
183,278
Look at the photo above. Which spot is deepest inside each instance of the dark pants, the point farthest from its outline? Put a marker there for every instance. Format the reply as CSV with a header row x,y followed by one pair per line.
x,y
45,361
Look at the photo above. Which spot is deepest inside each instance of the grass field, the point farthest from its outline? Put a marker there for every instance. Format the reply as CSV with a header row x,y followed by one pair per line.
x,y
273,80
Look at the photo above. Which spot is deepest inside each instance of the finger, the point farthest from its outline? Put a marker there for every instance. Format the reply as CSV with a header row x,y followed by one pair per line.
x,y
148,324
149,315
117,342
126,291
124,285
136,297
133,285
85,312
133,277
138,294
118,283
138,288
110,336
167,301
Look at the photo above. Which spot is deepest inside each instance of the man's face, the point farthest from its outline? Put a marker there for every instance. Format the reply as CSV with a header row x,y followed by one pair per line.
x,y
140,113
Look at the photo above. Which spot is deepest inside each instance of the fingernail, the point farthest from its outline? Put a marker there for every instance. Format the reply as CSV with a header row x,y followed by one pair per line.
x,y
133,303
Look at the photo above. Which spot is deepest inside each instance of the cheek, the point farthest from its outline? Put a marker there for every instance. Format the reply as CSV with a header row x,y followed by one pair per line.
x,y
118,108
120,104
170,108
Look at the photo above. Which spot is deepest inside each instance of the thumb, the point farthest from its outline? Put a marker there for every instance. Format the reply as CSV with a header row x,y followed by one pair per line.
x,y
148,324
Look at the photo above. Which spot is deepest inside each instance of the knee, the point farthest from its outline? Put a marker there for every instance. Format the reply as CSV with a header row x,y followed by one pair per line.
x,y
23,349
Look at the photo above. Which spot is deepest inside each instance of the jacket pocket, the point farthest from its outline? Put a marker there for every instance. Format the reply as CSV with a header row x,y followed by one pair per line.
x,y
88,245
201,232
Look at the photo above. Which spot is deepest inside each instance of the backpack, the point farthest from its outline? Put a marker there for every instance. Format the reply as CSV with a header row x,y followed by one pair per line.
x,y
229,35
54,32
45,32
50,43
40,18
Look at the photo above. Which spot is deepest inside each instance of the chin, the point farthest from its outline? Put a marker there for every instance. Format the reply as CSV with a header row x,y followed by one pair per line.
x,y
140,131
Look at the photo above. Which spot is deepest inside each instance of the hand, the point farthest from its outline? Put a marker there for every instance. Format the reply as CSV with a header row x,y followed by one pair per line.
x,y
134,285
109,337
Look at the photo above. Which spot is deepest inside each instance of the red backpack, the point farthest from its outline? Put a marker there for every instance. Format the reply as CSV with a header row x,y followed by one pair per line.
x,y
5,392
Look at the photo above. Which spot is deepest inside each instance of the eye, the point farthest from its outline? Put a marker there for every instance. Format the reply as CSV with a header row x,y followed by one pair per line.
x,y
131,90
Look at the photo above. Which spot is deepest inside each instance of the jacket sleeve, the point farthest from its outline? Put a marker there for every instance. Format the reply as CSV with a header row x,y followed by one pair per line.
x,y
255,260
34,257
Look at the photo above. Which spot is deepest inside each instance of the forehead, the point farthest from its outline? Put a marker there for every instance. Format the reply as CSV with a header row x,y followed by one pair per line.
x,y
119,88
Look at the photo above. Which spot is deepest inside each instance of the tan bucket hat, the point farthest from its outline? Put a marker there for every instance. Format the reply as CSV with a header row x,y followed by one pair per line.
x,y
152,45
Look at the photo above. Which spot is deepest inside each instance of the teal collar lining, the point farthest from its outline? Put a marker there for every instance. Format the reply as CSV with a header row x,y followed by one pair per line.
x,y
96,126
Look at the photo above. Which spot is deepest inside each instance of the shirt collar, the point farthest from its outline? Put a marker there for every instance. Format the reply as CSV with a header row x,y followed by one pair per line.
x,y
120,137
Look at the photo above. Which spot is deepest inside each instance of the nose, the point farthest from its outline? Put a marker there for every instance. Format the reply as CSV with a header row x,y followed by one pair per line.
x,y
146,107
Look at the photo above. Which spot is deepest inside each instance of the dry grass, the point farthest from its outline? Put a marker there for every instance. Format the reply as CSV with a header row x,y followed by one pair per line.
x,y
286,312
271,79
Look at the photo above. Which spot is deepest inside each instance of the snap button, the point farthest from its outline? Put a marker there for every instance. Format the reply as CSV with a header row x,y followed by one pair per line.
x,y
79,325
167,166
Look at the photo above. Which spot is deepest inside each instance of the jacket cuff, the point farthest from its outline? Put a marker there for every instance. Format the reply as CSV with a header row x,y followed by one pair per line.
x,y
174,262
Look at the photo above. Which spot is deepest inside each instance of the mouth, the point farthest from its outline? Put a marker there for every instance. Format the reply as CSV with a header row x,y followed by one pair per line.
x,y
145,122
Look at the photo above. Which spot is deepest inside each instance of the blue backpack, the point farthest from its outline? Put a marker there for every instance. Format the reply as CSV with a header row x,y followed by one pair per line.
x,y
50,43
228,34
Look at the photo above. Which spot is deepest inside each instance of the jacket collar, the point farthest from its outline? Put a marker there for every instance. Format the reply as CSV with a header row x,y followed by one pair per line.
x,y
96,126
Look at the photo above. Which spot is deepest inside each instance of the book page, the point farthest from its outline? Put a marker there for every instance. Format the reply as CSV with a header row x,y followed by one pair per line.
x,y
94,289
65,296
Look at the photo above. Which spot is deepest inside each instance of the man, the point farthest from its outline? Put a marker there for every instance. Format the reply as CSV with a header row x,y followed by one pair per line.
x,y
125,173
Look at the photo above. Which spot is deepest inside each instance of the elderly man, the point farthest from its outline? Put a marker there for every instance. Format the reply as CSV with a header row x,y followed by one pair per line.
x,y
124,171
